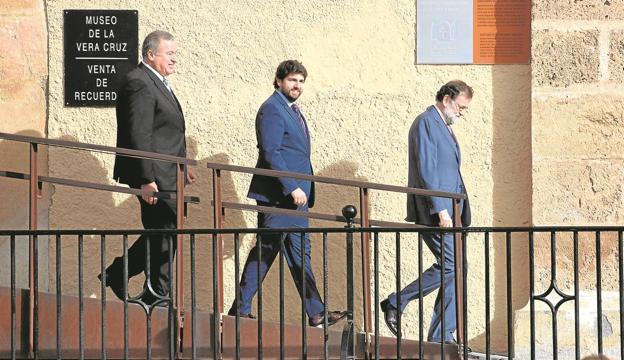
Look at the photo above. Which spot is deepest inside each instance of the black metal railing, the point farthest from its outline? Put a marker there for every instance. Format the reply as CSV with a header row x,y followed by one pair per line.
x,y
65,321
36,181
508,254
364,188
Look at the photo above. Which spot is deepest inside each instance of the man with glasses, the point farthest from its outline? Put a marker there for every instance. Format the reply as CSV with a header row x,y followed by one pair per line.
x,y
434,164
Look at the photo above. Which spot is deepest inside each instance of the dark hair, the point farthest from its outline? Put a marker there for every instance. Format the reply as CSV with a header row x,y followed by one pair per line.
x,y
152,40
289,67
453,89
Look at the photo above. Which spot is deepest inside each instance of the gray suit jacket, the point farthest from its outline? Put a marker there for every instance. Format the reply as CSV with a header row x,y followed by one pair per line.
x,y
434,164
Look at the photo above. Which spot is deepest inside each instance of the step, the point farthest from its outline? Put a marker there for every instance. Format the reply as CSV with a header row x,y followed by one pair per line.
x,y
92,339
293,338
159,334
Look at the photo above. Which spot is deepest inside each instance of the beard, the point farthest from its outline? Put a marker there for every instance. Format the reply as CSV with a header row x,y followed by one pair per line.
x,y
450,118
291,98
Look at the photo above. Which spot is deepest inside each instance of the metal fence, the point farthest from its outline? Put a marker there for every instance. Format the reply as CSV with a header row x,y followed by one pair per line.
x,y
58,334
516,274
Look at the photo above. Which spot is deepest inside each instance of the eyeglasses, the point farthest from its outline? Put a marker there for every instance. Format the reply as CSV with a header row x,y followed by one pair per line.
x,y
459,107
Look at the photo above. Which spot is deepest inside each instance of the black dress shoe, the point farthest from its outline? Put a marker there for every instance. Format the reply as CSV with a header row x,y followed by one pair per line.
x,y
232,312
115,286
333,316
391,316
150,299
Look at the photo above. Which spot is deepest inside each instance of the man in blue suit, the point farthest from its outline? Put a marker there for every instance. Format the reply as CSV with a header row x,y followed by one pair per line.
x,y
434,164
284,145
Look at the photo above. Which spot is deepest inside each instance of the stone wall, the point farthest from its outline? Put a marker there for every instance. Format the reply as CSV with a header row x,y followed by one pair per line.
x,y
578,160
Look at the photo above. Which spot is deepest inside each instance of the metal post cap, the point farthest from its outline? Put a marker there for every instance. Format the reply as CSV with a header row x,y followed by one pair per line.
x,y
349,212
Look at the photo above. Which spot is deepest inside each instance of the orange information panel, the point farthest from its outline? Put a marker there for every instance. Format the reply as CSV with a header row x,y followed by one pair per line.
x,y
501,31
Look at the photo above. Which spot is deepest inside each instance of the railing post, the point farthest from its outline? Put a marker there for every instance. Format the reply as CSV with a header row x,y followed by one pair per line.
x,y
347,344
459,276
365,245
180,258
34,177
218,224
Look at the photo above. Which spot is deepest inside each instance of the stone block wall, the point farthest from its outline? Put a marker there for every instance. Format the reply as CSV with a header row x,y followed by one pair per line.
x,y
578,160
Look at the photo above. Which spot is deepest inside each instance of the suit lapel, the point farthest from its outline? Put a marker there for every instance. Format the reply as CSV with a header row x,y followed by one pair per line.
x,y
177,102
294,120
161,87
445,132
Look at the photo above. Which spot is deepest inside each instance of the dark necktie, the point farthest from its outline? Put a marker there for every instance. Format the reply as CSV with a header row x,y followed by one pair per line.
x,y
295,108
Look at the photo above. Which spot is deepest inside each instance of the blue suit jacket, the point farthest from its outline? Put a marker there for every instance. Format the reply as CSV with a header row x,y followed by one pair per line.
x,y
284,146
434,164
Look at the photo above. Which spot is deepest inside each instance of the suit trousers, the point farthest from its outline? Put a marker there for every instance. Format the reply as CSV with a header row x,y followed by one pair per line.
x,y
264,252
432,280
158,216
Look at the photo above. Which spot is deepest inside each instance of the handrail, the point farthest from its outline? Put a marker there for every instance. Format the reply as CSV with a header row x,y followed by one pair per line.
x,y
319,230
313,215
335,181
95,186
267,209
219,207
99,148
35,181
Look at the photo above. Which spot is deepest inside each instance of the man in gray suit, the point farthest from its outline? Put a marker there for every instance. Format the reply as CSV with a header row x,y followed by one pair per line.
x,y
434,164
149,118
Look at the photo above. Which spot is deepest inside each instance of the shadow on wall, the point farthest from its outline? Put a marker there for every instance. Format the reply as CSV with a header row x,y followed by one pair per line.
x,y
200,216
77,208
512,196
330,200
15,156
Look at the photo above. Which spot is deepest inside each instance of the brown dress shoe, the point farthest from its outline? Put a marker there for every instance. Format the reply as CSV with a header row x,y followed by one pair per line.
x,y
332,318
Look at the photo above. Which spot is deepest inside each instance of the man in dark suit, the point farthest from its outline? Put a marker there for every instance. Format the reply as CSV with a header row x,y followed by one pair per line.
x,y
434,164
284,145
149,118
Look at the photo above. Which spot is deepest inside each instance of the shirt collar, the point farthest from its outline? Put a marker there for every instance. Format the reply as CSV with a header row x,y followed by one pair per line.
x,y
154,71
441,115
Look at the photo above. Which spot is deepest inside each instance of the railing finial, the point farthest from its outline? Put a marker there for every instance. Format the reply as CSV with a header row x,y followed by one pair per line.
x,y
349,212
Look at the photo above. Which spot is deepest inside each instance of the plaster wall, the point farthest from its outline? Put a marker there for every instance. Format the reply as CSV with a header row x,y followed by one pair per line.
x,y
23,110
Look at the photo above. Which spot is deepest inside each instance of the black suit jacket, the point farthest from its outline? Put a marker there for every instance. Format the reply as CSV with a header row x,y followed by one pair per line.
x,y
149,118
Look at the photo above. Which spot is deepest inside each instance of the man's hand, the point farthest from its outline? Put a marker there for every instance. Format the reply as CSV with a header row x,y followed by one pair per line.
x,y
145,188
445,219
299,197
191,177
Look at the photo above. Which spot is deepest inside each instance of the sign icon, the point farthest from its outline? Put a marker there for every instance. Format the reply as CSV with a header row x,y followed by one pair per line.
x,y
443,30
